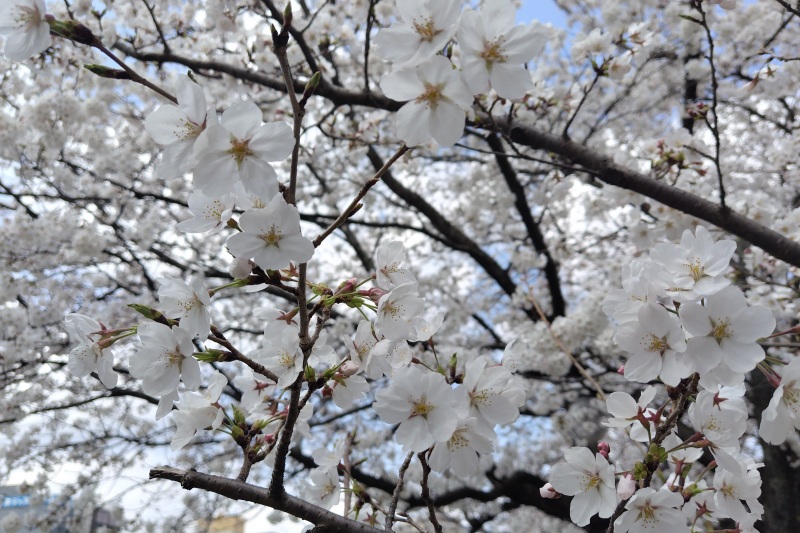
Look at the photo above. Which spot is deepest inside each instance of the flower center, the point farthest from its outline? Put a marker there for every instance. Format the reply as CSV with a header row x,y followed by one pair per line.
x,y
432,95
425,29
175,357
722,330
240,150
421,407
272,237
493,53
647,513
655,344
696,269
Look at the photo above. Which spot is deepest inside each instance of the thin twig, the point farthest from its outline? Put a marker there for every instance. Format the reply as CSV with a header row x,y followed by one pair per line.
x,y
426,493
557,340
354,205
396,494
135,77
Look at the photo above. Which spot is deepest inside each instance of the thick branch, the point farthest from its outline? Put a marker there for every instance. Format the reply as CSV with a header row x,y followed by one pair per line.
x,y
238,490
609,172
534,232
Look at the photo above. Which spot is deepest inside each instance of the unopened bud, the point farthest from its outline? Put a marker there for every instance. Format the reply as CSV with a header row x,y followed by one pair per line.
x,y
349,368
604,449
548,492
373,294
347,286
626,487
74,31
327,392
107,72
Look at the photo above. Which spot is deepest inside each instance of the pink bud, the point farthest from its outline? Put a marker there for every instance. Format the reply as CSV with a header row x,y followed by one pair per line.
x,y
373,294
621,370
603,449
347,286
549,492
626,487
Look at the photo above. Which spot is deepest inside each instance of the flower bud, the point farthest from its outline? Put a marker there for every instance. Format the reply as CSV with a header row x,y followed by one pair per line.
x,y
349,368
603,449
626,487
547,491
373,294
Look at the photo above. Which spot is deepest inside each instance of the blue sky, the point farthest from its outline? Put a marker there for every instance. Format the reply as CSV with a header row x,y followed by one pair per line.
x,y
543,10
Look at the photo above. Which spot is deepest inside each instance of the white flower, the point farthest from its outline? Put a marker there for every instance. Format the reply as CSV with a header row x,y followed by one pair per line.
x,y
462,450
395,311
682,456
210,214
88,356
241,147
426,27
178,128
783,413
733,488
641,284
696,264
725,332
494,50
255,388
26,30
283,357
422,403
619,66
388,272
626,487
360,348
590,479
198,411
330,458
165,359
189,302
438,97
271,236
323,487
490,392
651,511
348,389
625,410
656,342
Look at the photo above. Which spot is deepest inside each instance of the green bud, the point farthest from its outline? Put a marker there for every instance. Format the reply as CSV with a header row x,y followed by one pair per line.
x,y
640,471
238,416
107,72
309,375
210,356
146,312
236,432
74,31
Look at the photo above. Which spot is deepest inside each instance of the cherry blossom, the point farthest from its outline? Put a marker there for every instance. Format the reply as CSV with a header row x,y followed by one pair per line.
x,y
388,272
89,356
490,391
396,309
438,97
426,27
323,487
696,264
210,214
198,411
725,331
271,236
178,128
25,28
590,479
241,147
422,403
462,450
652,511
494,49
189,302
165,359
656,342
783,413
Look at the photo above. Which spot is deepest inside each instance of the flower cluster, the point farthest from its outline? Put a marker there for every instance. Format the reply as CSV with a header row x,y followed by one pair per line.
x,y
493,53
684,324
